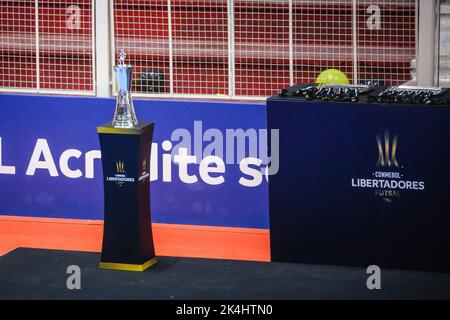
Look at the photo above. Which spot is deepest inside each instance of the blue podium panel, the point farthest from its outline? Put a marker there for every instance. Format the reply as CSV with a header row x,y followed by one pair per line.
x,y
361,184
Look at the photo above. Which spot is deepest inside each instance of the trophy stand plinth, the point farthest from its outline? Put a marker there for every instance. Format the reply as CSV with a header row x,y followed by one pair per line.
x,y
127,235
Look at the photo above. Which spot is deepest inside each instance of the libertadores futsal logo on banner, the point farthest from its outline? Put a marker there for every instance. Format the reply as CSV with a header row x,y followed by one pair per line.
x,y
387,151
388,181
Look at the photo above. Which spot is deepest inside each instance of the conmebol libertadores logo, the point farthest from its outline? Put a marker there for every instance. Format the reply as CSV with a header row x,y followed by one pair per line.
x,y
388,181
120,177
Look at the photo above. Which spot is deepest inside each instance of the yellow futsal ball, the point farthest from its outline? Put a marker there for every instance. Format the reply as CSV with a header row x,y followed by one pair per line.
x,y
332,76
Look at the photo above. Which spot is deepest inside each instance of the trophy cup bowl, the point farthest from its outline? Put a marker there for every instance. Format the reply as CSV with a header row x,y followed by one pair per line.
x,y
124,115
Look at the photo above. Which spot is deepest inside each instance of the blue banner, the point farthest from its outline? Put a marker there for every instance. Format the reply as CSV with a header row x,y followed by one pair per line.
x,y
50,166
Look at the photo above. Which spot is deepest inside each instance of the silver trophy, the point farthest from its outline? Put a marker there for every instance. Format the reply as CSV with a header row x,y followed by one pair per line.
x,y
124,116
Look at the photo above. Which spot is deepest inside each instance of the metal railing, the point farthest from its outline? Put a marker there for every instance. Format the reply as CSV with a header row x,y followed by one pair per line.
x,y
47,47
226,49
236,49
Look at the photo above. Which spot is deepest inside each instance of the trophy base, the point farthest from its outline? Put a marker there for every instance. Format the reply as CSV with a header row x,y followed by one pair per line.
x,y
127,266
127,233
109,128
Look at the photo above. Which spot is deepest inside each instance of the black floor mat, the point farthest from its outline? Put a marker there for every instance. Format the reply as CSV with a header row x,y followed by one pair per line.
x,y
41,274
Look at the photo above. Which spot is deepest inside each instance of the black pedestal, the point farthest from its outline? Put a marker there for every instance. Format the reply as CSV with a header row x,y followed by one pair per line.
x,y
127,235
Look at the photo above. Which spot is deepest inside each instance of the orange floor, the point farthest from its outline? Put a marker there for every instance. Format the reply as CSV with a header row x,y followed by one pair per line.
x,y
170,239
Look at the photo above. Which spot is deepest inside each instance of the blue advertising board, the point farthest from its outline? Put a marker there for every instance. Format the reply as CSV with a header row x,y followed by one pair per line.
x,y
50,159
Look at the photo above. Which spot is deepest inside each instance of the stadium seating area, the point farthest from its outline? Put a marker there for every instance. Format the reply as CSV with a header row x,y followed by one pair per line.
x,y
322,37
